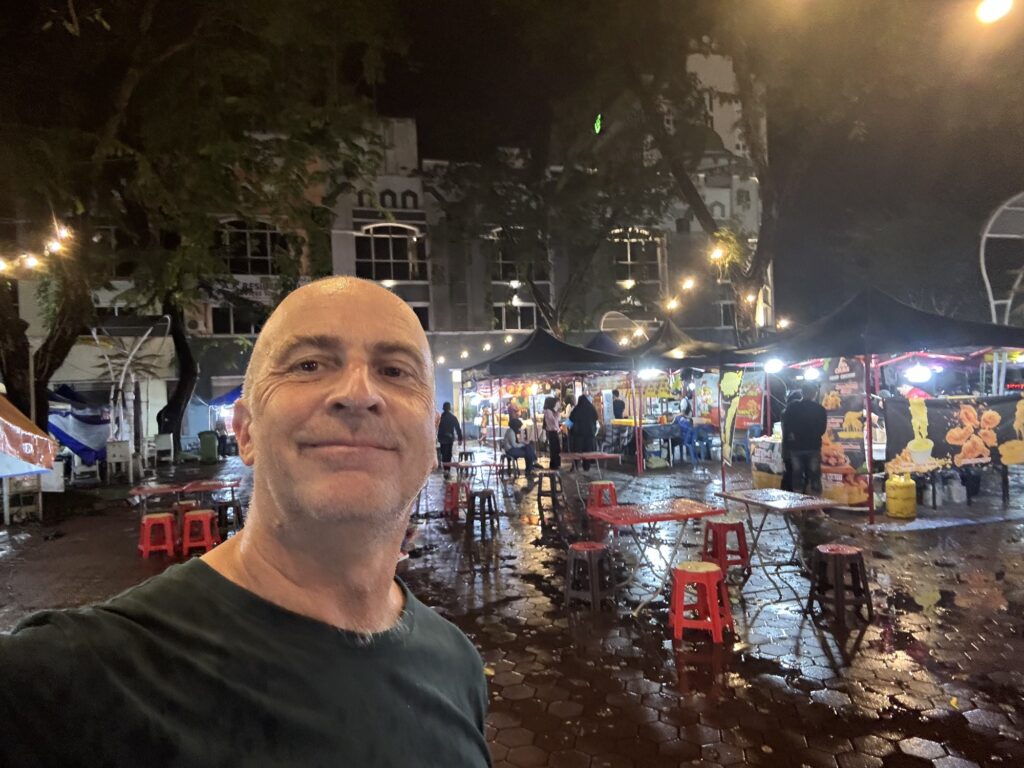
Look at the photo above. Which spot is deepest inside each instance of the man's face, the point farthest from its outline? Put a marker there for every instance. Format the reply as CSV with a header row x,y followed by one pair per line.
x,y
339,422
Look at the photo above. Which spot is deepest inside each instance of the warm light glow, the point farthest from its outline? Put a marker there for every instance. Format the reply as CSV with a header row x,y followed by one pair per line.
x,y
638,332
647,374
991,11
516,301
514,284
628,284
63,233
717,254
689,283
534,388
812,374
751,298
31,261
783,323
440,360
774,365
508,339
918,374
487,347
623,341
464,354
54,246
3,265
672,304
388,283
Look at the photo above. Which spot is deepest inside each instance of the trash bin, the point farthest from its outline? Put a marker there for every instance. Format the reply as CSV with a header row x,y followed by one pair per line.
x,y
208,447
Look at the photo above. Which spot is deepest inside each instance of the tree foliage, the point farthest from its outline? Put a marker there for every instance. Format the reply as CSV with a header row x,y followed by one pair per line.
x,y
152,120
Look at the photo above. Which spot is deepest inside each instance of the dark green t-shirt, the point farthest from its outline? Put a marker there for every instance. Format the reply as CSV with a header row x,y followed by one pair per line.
x,y
189,669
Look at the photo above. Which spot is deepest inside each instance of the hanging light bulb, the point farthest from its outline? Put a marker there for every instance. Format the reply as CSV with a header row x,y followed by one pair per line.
x,y
918,374
774,365
508,339
31,261
487,347
54,246
440,359
672,304
812,374
464,354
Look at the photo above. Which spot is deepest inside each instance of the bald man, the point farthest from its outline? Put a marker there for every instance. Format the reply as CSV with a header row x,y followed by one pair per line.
x,y
293,643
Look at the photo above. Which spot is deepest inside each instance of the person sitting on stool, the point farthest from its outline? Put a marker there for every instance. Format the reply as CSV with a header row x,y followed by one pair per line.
x,y
517,450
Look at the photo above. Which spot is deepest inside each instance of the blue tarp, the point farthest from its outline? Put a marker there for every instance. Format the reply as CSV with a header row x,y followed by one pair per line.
x,y
228,398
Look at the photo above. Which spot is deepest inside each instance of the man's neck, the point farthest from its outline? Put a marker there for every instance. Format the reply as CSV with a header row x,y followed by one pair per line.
x,y
331,573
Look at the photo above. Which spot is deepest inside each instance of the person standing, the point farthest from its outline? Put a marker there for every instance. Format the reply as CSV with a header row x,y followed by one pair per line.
x,y
553,432
803,424
618,405
583,433
448,431
787,459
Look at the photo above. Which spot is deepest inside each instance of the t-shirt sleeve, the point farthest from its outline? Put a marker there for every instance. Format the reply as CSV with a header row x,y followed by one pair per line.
x,y
36,690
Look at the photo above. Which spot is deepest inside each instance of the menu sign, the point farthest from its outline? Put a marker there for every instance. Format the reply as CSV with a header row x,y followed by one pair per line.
x,y
843,457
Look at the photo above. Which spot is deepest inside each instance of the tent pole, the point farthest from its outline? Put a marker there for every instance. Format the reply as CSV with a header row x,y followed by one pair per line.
x,y
768,399
721,428
7,500
868,360
638,437
496,419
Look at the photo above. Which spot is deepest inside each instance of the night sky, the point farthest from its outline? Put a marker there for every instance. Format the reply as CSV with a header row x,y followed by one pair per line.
x,y
904,204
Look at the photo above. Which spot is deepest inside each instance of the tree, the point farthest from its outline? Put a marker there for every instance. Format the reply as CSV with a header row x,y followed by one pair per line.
x,y
145,121
535,202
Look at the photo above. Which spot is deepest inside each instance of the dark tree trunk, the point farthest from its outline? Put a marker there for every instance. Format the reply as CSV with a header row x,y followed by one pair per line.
x,y
74,309
14,354
170,416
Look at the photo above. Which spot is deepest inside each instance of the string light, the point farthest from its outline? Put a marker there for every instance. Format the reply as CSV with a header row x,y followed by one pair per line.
x,y
672,304
54,246
717,254
464,354
63,232
688,284
31,261
508,339
638,332
3,265
440,360
751,298
623,341
487,347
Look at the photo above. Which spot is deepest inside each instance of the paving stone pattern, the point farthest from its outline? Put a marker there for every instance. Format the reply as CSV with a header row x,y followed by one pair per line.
x,y
935,680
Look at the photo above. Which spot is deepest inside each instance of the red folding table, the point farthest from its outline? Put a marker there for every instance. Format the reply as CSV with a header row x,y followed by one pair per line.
x,y
640,521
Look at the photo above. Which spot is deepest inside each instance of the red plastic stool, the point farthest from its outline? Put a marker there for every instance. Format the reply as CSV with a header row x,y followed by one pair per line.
x,y
711,606
716,545
456,495
199,530
185,506
158,521
599,490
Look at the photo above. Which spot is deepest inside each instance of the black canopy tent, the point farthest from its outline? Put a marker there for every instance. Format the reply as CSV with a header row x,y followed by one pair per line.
x,y
874,323
605,342
542,353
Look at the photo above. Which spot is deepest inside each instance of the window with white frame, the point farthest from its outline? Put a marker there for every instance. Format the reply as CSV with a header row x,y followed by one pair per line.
x,y
637,253
391,252
238,321
504,265
251,248
515,317
728,314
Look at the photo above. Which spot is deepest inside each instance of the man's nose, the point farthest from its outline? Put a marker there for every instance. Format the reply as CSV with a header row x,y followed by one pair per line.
x,y
354,389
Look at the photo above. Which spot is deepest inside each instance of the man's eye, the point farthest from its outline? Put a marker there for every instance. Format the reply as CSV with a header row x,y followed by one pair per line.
x,y
392,371
307,366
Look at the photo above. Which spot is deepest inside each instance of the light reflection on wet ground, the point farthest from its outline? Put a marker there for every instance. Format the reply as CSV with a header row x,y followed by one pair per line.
x,y
935,680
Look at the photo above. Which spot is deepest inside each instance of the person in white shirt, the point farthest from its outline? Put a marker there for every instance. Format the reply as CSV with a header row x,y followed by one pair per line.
x,y
512,447
552,422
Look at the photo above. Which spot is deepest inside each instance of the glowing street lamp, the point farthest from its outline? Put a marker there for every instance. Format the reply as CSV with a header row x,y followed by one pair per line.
x,y
672,304
991,11
689,283
716,255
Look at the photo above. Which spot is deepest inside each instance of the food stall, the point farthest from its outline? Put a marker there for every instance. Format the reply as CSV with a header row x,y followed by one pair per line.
x,y
26,452
861,333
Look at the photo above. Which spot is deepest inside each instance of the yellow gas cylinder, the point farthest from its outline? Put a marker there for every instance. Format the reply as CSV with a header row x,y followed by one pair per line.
x,y
901,497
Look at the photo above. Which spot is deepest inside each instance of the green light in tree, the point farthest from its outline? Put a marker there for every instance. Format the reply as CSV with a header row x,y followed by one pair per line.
x,y
597,124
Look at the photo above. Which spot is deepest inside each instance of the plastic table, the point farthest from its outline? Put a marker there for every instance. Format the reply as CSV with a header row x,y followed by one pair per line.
x,y
640,521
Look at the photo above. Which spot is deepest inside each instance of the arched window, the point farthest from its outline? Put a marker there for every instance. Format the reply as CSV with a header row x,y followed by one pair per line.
x,y
717,211
636,253
364,199
388,199
410,199
391,252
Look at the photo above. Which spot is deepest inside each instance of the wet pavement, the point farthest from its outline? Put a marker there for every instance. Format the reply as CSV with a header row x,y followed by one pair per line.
x,y
935,680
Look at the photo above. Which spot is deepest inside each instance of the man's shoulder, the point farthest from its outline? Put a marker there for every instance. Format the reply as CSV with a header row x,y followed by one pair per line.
x,y
443,636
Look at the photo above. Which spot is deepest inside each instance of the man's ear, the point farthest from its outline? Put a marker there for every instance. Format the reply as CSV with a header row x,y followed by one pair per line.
x,y
241,421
